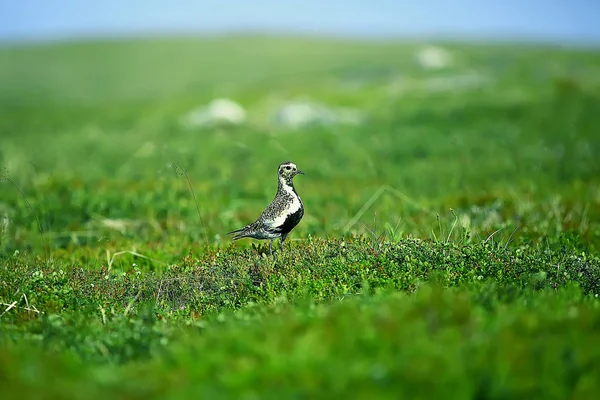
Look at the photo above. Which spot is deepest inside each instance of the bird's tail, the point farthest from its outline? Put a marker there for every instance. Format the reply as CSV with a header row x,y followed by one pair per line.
x,y
238,233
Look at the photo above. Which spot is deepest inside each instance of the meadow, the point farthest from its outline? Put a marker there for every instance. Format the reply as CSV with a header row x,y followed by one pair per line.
x,y
450,246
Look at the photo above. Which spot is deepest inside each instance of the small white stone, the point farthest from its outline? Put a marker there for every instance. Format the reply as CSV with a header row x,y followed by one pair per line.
x,y
297,114
432,57
218,111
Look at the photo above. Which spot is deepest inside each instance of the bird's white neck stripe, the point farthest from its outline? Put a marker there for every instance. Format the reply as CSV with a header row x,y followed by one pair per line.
x,y
284,184
296,204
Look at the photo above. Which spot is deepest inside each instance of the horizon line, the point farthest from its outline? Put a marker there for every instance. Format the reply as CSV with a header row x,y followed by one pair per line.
x,y
489,37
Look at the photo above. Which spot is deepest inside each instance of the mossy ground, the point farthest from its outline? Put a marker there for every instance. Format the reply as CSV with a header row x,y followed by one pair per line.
x,y
474,271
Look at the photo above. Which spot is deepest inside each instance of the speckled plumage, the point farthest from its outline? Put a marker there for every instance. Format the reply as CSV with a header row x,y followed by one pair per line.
x,y
282,215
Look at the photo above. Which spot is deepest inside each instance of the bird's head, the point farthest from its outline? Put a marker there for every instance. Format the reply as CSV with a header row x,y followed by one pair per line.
x,y
287,170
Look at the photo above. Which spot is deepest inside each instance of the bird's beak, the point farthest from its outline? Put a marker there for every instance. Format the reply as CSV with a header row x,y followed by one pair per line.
x,y
299,172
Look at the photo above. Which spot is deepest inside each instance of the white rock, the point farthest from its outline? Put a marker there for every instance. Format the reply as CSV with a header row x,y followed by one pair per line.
x,y
298,114
217,112
431,57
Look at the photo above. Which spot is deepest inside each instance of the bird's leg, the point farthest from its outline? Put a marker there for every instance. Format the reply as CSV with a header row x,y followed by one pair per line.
x,y
281,240
271,246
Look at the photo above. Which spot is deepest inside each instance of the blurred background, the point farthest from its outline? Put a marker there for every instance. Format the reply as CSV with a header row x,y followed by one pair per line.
x,y
164,121
558,21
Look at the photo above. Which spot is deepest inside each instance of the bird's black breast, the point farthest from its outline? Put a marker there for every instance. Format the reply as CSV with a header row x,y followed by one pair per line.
x,y
291,221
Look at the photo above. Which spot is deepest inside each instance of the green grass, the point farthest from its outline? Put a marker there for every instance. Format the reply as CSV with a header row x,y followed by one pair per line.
x,y
450,245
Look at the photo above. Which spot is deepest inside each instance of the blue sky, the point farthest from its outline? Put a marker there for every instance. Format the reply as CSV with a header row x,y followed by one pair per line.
x,y
551,20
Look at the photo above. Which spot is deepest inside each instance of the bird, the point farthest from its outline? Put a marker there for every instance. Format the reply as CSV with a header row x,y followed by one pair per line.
x,y
282,215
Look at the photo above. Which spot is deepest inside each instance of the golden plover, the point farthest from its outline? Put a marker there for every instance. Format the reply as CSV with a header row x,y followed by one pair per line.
x,y
282,215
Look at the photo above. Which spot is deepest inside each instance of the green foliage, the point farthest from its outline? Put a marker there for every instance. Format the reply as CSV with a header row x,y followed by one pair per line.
x,y
321,269
391,344
450,246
